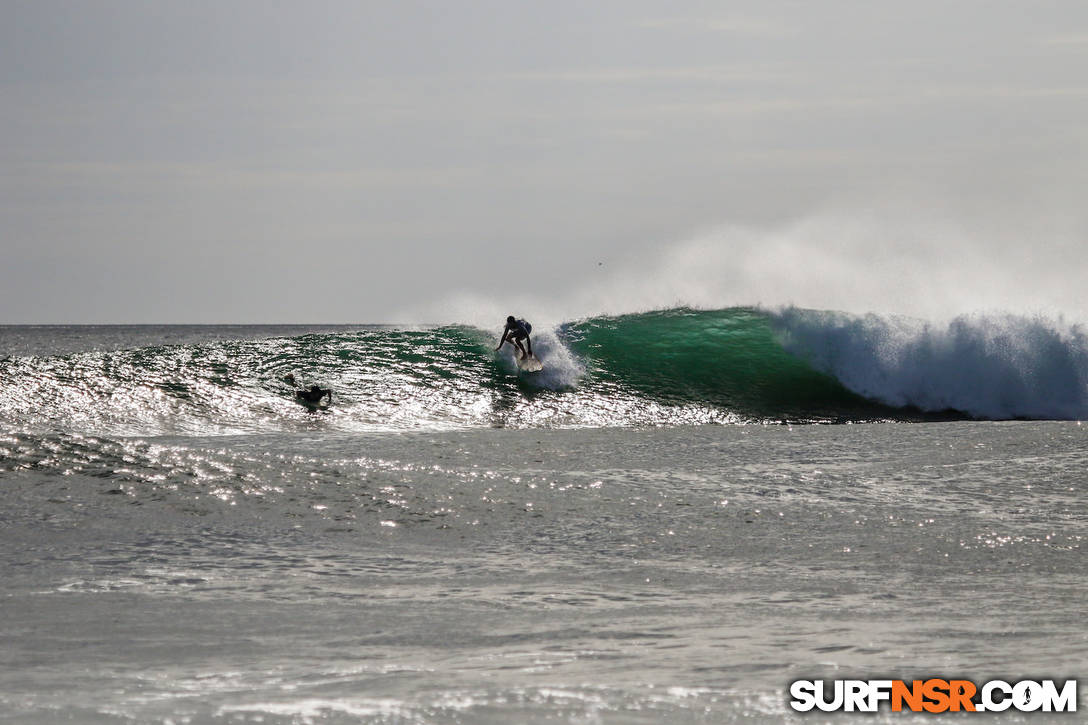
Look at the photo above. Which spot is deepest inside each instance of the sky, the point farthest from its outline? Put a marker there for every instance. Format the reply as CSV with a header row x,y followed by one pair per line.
x,y
264,161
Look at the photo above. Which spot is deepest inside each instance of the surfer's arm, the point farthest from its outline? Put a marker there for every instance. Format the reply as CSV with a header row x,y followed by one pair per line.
x,y
505,332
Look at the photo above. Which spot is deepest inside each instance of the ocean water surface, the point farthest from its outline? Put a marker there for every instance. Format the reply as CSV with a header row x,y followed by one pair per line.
x,y
683,513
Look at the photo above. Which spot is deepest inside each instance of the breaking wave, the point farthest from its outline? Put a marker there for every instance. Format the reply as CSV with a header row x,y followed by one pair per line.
x,y
669,367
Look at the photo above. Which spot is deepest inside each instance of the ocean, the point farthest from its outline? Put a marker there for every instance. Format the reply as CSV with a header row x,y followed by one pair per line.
x,y
684,513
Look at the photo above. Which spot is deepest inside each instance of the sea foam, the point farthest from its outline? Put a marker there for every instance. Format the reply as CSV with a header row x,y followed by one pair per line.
x,y
997,366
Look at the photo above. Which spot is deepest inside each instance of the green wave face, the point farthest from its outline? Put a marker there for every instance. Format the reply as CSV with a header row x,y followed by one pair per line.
x,y
730,359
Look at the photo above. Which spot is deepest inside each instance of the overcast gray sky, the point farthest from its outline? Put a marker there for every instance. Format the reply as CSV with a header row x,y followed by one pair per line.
x,y
327,161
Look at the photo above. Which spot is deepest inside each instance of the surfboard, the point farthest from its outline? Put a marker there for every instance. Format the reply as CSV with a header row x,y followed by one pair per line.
x,y
529,364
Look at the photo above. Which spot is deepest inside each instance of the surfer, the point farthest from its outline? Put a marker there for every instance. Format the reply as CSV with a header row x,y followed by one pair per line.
x,y
514,332
312,396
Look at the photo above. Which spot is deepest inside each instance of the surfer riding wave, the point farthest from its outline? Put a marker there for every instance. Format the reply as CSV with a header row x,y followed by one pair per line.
x,y
514,332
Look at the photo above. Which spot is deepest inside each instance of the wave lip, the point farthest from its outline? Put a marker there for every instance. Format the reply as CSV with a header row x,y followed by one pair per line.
x,y
995,366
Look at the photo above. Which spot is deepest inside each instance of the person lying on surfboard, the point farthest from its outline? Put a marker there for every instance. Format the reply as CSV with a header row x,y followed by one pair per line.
x,y
312,396
514,332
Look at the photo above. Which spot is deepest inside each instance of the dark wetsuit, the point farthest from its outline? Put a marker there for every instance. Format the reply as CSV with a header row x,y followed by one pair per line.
x,y
313,396
520,330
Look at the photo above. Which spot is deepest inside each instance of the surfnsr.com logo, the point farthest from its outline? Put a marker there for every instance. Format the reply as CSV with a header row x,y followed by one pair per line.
x,y
933,695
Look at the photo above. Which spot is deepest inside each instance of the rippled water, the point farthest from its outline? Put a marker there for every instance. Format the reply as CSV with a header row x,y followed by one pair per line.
x,y
681,574
181,542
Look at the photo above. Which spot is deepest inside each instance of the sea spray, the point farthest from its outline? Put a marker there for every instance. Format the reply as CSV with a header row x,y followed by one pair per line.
x,y
996,366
